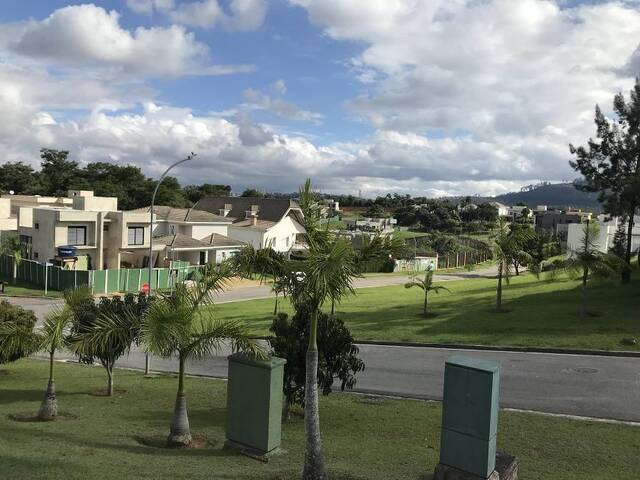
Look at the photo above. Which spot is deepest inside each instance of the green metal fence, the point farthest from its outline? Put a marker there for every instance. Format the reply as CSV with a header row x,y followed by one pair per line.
x,y
100,281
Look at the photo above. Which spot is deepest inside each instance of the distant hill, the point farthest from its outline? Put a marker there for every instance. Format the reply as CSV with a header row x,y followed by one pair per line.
x,y
552,195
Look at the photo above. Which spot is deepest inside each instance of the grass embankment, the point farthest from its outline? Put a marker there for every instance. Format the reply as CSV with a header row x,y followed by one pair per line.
x,y
26,289
363,439
543,314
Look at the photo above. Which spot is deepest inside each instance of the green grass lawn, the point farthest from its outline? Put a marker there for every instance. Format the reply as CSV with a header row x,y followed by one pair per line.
x,y
542,314
26,289
363,439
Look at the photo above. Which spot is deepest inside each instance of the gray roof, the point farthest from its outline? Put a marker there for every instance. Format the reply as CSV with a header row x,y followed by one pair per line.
x,y
217,240
172,214
179,241
269,209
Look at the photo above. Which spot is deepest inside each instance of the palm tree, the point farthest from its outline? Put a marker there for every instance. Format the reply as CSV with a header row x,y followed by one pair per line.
x,y
508,246
17,340
326,273
268,262
52,334
426,284
587,261
13,246
179,325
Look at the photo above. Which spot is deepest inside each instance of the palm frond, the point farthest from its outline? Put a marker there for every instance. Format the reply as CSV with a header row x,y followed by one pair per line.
x,y
17,340
109,330
55,328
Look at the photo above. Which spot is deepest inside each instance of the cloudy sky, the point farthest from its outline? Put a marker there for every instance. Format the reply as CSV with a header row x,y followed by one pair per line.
x,y
426,97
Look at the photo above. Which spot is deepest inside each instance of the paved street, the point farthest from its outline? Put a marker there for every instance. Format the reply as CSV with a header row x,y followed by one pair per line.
x,y
592,386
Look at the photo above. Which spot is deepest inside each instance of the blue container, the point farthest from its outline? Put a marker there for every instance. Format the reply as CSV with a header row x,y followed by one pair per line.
x,y
67,251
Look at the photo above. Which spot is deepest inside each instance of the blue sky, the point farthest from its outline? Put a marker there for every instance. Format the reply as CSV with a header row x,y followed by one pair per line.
x,y
428,97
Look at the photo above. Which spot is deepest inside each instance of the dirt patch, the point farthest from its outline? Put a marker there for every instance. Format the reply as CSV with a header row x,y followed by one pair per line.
x,y
103,392
31,417
371,400
198,442
239,282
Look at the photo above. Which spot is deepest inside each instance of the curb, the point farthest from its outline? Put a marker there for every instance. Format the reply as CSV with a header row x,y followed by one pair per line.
x,y
39,297
490,348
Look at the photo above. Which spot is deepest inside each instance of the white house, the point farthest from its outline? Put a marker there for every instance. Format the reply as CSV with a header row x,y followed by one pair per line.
x,y
503,210
607,228
260,222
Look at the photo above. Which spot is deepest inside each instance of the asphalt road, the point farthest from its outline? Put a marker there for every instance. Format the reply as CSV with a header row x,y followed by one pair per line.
x,y
580,385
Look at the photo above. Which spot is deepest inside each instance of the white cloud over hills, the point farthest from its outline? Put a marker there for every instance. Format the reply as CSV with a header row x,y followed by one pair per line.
x,y
463,96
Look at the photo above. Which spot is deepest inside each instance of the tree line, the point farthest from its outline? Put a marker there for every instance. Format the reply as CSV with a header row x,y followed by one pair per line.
x,y
134,189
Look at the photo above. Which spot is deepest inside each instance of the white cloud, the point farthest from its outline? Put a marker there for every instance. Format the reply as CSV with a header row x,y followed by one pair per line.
x,y
517,79
279,87
87,35
149,6
257,100
244,15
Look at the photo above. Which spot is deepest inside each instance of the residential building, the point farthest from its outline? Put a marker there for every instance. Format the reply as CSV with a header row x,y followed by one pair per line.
x,y
261,222
383,226
517,211
191,235
83,231
503,210
557,222
607,228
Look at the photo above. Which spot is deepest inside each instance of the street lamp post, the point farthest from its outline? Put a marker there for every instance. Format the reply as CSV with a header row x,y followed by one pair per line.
x,y
147,362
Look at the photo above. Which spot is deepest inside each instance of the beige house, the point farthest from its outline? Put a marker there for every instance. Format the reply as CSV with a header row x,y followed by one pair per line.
x,y
102,236
191,235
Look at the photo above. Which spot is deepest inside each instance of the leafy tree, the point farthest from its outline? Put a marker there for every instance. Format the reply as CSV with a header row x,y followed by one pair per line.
x,y
58,174
374,252
13,246
507,246
17,338
196,192
244,262
337,354
587,261
179,325
426,285
611,164
86,314
19,178
619,247
53,338
252,192
376,211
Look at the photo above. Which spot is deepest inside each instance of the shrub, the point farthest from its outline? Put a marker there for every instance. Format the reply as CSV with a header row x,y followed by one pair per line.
x,y
337,354
16,323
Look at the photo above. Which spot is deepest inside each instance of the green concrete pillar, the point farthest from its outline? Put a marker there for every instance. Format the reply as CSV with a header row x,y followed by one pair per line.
x,y
470,415
254,403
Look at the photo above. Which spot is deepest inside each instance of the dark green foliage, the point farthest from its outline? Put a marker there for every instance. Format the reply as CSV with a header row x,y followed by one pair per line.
x,y
337,353
252,192
376,211
611,165
196,192
17,339
619,247
19,178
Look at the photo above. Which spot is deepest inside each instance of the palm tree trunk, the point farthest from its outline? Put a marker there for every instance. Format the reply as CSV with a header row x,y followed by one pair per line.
x,y
626,271
180,434
583,303
109,369
499,288
275,307
15,271
49,407
314,468
424,307
333,307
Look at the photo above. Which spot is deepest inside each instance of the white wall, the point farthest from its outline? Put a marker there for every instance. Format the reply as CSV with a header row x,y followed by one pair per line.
x,y
283,235
251,236
604,241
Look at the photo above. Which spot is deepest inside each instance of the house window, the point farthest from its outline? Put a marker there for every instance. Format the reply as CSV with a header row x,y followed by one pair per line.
x,y
136,235
76,235
35,255
287,241
37,226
